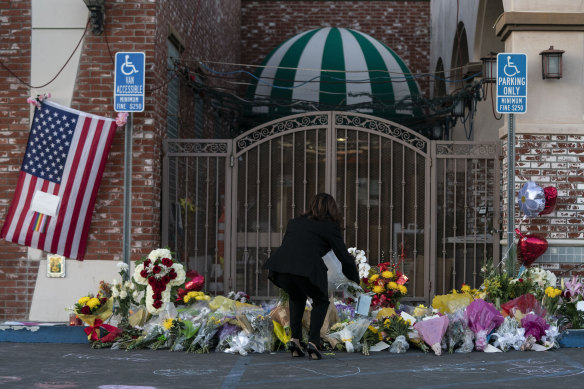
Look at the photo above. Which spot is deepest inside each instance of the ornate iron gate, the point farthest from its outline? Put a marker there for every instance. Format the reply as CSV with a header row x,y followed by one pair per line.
x,y
226,203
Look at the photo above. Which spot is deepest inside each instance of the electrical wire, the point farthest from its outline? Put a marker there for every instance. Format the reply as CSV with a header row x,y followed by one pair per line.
x,y
311,69
56,75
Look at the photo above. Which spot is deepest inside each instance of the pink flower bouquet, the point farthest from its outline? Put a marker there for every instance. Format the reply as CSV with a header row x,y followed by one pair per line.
x,y
482,318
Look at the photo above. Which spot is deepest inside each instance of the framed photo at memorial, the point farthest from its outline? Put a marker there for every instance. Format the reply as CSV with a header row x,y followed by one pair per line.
x,y
55,265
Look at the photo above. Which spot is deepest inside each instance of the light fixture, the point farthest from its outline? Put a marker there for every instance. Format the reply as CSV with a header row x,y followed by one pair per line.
x,y
437,131
489,68
458,107
97,17
551,63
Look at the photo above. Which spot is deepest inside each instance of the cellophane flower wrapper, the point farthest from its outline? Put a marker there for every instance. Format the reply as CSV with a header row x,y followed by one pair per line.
x,y
509,335
239,344
551,337
482,318
525,303
202,342
193,311
457,333
468,343
449,303
150,334
226,334
262,330
535,326
187,334
282,333
432,330
223,305
335,276
351,334
399,346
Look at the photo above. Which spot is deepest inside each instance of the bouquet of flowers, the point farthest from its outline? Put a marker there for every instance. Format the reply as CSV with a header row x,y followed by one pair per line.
x,y
350,333
571,309
458,336
452,302
387,283
240,296
159,273
257,326
193,283
432,330
226,334
123,293
187,332
90,305
95,310
202,342
153,332
482,317
509,335
535,326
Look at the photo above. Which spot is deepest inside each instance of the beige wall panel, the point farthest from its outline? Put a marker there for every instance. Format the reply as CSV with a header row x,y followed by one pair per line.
x,y
59,14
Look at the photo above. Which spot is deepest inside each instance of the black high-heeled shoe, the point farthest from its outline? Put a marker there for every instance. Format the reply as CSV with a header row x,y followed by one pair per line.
x,y
313,352
295,349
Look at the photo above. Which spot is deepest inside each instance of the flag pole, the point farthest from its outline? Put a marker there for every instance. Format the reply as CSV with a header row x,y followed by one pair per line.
x,y
127,188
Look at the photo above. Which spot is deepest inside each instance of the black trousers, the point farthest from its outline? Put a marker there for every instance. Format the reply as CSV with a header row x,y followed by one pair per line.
x,y
299,288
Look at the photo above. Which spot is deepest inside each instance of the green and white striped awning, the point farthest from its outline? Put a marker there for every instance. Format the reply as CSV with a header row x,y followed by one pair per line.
x,y
337,68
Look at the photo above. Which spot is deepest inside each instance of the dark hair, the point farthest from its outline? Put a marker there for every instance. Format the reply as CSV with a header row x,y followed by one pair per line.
x,y
323,207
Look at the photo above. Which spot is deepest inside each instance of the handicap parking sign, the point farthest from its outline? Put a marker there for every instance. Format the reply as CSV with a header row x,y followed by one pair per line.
x,y
129,82
511,83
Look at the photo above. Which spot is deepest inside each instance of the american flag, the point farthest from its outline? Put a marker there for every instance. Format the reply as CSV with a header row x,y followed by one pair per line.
x,y
58,181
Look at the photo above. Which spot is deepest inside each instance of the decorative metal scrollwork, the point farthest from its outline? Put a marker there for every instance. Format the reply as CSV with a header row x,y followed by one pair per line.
x,y
407,136
200,147
260,133
470,149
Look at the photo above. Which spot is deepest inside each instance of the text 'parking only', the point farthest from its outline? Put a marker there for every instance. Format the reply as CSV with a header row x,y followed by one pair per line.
x,y
511,83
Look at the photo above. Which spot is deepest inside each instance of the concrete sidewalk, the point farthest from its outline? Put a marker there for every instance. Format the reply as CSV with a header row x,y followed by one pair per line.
x,y
53,366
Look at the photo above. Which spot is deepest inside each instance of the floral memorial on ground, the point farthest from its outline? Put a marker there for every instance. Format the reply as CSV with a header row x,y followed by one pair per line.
x,y
163,307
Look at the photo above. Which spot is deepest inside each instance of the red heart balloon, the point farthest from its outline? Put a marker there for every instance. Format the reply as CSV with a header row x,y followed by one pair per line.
x,y
551,195
530,248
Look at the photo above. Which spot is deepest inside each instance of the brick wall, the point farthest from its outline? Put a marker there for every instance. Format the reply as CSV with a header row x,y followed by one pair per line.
x,y
404,26
558,161
550,160
17,274
138,25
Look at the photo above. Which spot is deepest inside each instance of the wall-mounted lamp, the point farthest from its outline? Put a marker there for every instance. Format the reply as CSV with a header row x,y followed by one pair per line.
x,y
438,131
459,107
97,9
490,68
551,63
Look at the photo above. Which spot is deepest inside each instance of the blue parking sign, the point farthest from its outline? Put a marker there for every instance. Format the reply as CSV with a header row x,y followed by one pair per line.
x,y
511,83
129,82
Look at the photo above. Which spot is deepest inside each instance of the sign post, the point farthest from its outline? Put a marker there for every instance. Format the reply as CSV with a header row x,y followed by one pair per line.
x,y
128,97
511,99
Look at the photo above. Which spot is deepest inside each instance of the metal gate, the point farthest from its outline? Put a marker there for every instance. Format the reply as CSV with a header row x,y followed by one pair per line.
x,y
226,203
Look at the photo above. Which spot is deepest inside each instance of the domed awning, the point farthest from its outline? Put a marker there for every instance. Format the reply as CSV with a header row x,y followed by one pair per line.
x,y
337,68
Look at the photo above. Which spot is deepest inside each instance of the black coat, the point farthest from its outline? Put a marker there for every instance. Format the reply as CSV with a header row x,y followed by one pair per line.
x,y
305,242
